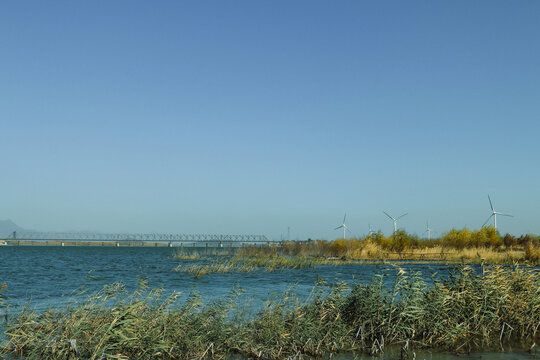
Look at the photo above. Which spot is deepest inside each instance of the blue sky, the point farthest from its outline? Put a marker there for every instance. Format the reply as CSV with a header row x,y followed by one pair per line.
x,y
256,116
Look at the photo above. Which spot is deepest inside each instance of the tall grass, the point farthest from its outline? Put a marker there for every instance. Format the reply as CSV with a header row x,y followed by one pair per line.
x,y
532,253
198,270
467,311
287,262
2,297
484,245
181,255
248,264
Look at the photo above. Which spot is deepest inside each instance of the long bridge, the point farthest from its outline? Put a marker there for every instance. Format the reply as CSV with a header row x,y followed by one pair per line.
x,y
129,238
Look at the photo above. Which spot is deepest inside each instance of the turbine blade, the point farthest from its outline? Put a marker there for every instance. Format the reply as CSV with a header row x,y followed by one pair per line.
x,y
388,215
505,214
490,204
490,216
348,230
339,227
344,216
401,216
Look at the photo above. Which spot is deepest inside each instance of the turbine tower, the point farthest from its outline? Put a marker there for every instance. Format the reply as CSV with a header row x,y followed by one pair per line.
x,y
428,231
371,232
394,219
494,214
345,228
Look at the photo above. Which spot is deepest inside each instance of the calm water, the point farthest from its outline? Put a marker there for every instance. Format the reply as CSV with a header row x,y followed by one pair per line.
x,y
46,277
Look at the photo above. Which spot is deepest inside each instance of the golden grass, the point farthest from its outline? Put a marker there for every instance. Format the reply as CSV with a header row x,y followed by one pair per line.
x,y
181,255
532,253
186,257
468,255
369,250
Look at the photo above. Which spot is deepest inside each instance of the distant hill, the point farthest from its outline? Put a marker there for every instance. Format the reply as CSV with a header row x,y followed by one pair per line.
x,y
7,227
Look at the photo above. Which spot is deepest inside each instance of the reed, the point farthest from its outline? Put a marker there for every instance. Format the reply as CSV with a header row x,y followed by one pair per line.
x,y
532,253
467,311
370,249
287,262
484,245
181,255
2,297
365,251
248,264
221,267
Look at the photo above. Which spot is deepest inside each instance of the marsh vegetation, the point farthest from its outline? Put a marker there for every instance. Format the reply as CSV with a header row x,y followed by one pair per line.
x,y
219,266
248,264
467,310
484,245
456,246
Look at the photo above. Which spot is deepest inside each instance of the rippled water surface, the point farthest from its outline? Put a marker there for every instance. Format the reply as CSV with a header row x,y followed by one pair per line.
x,y
45,277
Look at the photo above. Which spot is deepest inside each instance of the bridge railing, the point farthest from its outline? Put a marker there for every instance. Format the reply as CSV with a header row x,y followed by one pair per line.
x,y
119,237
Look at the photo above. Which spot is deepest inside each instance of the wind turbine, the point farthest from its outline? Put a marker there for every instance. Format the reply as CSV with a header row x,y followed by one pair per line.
x,y
428,231
395,220
494,214
345,228
371,232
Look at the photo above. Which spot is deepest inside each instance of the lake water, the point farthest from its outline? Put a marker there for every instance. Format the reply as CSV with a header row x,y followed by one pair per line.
x,y
45,277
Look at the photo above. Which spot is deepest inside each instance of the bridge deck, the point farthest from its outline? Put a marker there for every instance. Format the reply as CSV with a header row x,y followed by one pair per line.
x,y
123,238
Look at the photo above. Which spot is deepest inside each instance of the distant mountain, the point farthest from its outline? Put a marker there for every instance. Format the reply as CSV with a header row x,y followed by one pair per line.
x,y
7,227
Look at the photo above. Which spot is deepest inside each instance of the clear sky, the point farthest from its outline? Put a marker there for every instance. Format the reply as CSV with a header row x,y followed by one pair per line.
x,y
254,116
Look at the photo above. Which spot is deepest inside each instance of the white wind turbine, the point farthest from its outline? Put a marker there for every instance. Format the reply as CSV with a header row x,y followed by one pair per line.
x,y
428,231
494,214
371,232
345,228
395,220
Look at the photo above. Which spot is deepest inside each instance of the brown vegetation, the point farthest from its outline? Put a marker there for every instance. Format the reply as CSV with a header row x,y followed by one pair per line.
x,y
484,245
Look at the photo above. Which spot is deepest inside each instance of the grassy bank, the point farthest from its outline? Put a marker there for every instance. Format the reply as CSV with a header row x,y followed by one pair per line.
x,y
267,258
468,311
469,246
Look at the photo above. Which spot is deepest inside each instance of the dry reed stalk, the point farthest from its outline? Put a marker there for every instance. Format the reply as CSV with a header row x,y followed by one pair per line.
x,y
468,310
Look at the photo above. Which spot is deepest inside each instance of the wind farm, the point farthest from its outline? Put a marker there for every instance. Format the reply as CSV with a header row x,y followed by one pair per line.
x,y
428,230
270,180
